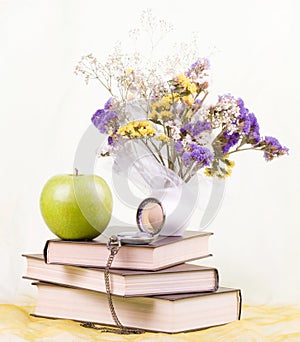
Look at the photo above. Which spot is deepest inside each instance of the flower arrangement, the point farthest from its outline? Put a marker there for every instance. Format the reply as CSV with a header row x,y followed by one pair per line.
x,y
170,118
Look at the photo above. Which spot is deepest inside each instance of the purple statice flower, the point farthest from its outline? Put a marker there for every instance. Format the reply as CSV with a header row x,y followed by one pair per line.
x,y
102,119
201,126
198,67
105,119
108,104
243,118
272,148
254,136
186,128
178,147
186,157
194,155
195,129
201,155
231,139
110,140
248,123
198,73
243,110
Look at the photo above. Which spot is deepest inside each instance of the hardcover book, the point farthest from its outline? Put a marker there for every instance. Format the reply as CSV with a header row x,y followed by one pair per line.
x,y
163,252
163,313
176,279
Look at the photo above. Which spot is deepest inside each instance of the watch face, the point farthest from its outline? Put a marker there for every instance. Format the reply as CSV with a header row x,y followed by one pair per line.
x,y
150,216
136,238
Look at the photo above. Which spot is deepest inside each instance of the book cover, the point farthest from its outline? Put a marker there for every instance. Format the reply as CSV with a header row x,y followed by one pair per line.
x,y
164,252
176,279
167,313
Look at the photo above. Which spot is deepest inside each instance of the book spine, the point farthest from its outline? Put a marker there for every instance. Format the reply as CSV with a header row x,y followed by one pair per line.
x,y
217,282
45,251
239,294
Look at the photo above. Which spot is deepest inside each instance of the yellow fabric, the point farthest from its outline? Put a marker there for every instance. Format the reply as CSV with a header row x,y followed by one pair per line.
x,y
259,323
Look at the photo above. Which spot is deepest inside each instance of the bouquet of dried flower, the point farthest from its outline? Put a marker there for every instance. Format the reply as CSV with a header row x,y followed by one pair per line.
x,y
167,114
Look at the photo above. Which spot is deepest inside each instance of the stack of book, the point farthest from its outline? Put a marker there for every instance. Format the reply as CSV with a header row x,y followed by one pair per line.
x,y
153,287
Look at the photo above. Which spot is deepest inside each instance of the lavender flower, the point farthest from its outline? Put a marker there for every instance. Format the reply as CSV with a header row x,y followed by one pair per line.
x,y
272,148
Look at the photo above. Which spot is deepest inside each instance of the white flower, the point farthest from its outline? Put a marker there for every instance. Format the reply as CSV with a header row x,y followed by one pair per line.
x,y
174,125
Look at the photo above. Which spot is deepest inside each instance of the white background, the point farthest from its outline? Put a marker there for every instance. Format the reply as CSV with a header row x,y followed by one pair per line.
x,y
45,109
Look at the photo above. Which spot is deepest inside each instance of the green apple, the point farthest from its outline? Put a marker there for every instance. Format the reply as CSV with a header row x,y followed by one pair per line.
x,y
76,207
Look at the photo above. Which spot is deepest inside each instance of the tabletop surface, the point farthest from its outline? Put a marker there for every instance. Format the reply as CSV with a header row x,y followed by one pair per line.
x,y
258,323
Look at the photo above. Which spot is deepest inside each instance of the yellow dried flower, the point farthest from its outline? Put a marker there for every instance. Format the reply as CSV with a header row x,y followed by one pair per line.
x,y
189,100
163,104
136,129
182,80
174,97
165,114
153,115
229,163
208,172
129,71
185,82
163,138
161,109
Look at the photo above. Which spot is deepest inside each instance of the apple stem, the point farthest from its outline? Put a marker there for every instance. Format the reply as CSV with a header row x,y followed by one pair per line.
x,y
76,171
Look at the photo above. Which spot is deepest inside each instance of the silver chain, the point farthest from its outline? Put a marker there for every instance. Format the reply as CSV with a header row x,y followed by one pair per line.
x,y
113,245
